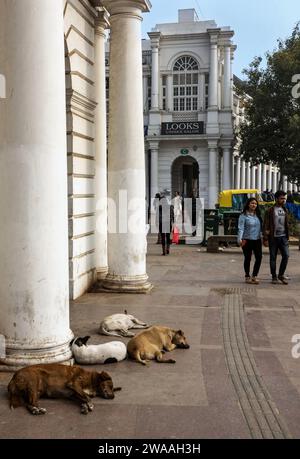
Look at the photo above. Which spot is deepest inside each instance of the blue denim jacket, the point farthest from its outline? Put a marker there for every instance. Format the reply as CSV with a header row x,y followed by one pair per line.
x,y
249,227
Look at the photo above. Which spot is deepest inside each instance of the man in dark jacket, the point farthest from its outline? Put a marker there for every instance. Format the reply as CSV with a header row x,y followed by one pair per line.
x,y
166,221
276,235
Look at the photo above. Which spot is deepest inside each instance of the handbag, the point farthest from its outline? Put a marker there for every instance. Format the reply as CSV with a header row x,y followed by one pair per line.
x,y
175,238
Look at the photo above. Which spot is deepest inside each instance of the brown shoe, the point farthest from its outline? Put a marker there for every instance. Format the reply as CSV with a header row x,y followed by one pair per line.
x,y
248,280
254,280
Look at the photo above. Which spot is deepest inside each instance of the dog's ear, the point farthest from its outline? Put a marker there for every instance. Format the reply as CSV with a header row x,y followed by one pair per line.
x,y
180,332
85,340
81,341
104,376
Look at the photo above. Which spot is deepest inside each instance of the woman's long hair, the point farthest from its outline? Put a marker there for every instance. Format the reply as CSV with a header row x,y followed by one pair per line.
x,y
257,210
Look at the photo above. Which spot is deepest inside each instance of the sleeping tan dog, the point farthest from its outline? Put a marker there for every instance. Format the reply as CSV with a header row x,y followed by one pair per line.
x,y
58,381
151,344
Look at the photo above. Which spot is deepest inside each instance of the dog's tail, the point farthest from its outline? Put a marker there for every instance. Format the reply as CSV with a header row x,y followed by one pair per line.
x,y
15,398
104,331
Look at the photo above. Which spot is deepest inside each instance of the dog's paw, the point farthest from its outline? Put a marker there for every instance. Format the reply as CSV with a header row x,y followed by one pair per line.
x,y
84,408
36,411
90,406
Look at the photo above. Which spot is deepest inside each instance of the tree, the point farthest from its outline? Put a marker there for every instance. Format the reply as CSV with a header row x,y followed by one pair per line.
x,y
271,130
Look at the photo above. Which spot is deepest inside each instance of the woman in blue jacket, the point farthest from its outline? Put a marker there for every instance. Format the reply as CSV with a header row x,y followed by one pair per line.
x,y
249,238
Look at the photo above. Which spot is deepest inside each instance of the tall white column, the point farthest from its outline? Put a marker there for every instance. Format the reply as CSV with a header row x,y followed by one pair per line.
x,y
264,177
34,292
226,168
100,147
258,185
248,175
285,183
155,38
145,92
154,168
243,175
238,173
253,177
212,112
170,93
126,157
227,77
270,177
275,178
212,174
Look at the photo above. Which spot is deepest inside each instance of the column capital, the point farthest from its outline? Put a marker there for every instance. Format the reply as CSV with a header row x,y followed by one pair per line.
x,y
214,35
213,144
153,145
101,21
125,7
155,39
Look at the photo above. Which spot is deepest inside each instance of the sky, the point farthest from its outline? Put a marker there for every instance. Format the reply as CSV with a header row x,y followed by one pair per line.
x,y
257,23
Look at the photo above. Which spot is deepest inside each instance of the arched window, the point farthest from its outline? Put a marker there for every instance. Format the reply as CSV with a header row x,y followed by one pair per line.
x,y
185,84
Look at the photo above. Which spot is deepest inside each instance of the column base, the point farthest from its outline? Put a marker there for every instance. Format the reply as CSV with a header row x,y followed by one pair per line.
x,y
102,273
126,284
18,355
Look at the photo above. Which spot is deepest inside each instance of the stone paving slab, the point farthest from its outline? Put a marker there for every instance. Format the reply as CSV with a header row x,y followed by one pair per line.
x,y
196,397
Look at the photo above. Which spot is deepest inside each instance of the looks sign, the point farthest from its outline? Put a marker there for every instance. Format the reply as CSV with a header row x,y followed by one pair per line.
x,y
182,128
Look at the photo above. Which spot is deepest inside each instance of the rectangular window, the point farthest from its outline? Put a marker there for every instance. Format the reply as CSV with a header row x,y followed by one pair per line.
x,y
195,90
206,89
175,105
188,104
195,78
164,92
195,103
188,91
149,91
189,78
175,92
175,80
182,104
182,91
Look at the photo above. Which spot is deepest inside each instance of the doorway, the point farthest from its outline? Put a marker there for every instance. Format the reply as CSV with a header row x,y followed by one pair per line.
x,y
185,176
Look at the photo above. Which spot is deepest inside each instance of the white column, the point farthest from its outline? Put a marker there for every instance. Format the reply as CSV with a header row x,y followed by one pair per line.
x,y
227,168
145,93
270,177
290,186
34,292
155,37
275,183
213,71
212,174
285,183
253,177
264,177
243,175
126,154
258,185
248,175
238,173
154,168
170,93
212,126
227,77
100,147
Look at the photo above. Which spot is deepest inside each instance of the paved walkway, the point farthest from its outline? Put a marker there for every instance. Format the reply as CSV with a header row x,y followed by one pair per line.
x,y
238,379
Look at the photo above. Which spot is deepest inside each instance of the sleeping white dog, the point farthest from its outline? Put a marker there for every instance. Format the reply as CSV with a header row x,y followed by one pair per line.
x,y
121,323
93,354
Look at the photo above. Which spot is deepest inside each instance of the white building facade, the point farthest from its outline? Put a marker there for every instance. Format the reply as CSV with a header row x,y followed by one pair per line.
x,y
190,110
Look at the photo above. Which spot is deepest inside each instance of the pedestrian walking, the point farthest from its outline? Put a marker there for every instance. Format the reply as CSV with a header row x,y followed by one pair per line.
x,y
166,221
249,238
276,236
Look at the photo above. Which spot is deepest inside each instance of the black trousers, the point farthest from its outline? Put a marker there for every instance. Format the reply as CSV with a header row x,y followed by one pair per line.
x,y
165,239
256,247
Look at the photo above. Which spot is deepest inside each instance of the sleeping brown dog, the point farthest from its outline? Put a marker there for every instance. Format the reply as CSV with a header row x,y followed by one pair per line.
x,y
151,344
58,381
